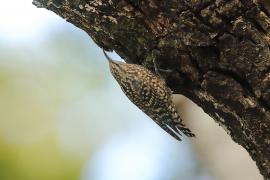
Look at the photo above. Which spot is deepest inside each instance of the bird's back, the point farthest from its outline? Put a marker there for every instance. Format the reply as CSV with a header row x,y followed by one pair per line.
x,y
151,95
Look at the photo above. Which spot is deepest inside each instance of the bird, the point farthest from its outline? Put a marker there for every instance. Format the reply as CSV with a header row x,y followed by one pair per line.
x,y
150,94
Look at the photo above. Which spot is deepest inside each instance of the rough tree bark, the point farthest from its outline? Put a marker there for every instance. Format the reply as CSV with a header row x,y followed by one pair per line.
x,y
217,51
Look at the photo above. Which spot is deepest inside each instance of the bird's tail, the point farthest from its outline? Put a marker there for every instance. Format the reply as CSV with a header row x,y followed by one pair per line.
x,y
180,126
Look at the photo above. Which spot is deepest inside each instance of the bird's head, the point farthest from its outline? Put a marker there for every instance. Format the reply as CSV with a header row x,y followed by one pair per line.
x,y
117,68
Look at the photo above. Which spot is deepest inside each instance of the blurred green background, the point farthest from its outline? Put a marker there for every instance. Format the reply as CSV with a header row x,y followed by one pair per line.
x,y
63,117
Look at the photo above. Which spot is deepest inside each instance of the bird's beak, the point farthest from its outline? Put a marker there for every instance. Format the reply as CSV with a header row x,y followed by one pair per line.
x,y
107,57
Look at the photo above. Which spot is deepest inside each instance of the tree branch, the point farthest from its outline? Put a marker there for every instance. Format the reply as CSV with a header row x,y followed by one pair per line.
x,y
218,52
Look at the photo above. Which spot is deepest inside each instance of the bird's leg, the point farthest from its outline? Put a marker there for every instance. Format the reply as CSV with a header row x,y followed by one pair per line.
x,y
156,67
159,70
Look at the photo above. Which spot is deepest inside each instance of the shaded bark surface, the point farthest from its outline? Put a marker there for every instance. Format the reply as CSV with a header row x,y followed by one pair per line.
x,y
217,52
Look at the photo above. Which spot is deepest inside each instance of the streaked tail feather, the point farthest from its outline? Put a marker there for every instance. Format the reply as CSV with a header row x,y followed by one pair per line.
x,y
173,131
181,128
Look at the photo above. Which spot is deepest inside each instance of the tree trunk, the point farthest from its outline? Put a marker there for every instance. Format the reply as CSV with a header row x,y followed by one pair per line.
x,y
216,51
